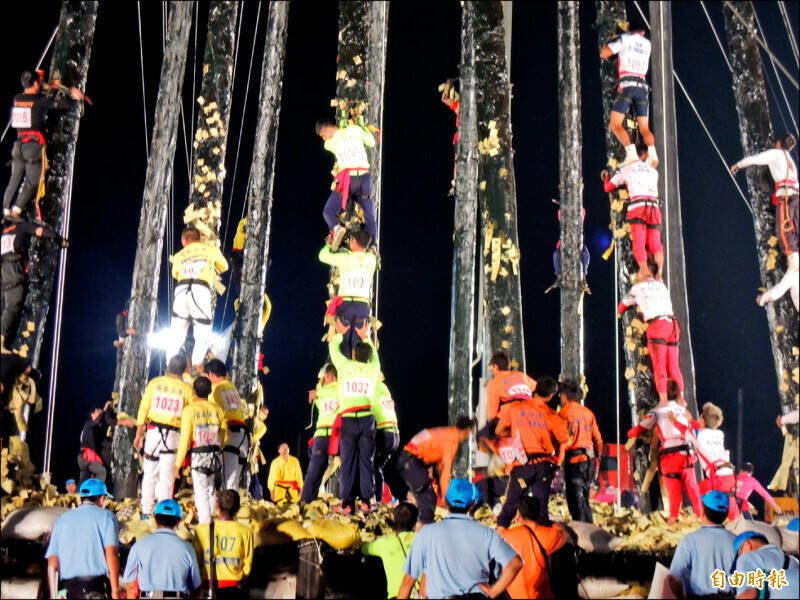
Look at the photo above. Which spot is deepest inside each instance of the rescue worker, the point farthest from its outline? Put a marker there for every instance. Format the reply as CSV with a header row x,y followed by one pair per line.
x,y
83,551
285,477
582,455
663,332
358,378
746,484
232,552
352,180
225,395
676,456
504,387
325,399
533,425
203,434
13,252
351,305
754,553
633,49
643,212
195,269
787,228
89,460
387,434
162,565
432,449
159,415
28,158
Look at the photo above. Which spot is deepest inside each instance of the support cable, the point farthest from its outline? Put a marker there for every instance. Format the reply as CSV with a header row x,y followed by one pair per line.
x,y
702,122
141,68
789,31
716,37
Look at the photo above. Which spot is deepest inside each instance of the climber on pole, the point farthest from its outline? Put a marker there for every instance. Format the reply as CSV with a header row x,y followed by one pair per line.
x,y
325,398
663,332
196,269
643,214
633,49
784,173
349,145
28,156
505,386
351,305
452,100
557,259
13,248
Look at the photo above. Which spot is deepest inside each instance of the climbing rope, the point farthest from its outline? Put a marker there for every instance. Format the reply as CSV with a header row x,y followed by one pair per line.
x,y
789,32
702,122
618,500
716,37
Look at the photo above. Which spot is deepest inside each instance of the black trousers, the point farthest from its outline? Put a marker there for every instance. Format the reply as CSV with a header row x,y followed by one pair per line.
x,y
538,477
492,489
11,303
90,469
352,314
26,159
87,587
357,451
577,479
415,474
317,463
386,442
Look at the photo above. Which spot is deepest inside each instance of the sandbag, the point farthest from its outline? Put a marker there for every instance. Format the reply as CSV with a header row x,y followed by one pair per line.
x,y
660,585
592,538
276,532
294,530
284,587
790,541
20,587
601,587
33,524
339,535
741,525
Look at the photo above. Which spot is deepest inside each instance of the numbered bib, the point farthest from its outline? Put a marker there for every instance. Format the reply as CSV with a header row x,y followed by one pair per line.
x,y
507,454
21,117
7,244
328,406
519,389
358,387
356,283
422,437
206,435
231,400
168,404
193,269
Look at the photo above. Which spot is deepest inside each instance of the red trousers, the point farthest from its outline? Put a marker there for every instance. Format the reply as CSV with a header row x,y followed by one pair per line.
x,y
678,472
725,484
645,224
663,337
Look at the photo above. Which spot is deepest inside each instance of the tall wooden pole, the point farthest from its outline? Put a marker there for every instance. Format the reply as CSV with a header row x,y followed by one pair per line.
x,y
71,53
668,185
152,223
496,187
247,333
571,190
755,129
462,303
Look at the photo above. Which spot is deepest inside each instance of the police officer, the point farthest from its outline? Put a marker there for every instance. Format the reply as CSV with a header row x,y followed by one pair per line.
x,y
13,249
28,115
162,565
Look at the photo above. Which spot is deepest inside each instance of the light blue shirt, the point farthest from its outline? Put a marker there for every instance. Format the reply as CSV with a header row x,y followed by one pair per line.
x,y
79,540
767,558
163,562
701,553
454,555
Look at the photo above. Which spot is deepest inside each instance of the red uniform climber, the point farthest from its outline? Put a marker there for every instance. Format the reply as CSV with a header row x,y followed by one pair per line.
x,y
643,214
676,458
451,99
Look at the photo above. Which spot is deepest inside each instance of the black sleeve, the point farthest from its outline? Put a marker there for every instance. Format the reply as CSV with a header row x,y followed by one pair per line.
x,y
58,101
109,418
29,228
122,325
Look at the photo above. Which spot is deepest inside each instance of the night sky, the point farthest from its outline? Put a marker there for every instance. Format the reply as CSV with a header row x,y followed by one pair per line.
x,y
729,332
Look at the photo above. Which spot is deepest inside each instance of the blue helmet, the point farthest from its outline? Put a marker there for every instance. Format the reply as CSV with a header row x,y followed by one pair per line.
x,y
94,487
462,493
169,507
716,500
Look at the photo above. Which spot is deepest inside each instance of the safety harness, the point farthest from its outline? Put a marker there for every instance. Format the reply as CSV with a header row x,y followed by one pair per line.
x,y
687,449
206,319
662,341
238,426
163,431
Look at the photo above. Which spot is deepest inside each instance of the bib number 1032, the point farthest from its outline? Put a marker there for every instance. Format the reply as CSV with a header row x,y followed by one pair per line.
x,y
357,387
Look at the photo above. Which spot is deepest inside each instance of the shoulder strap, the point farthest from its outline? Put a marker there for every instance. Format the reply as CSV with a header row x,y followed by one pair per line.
x,y
212,567
544,555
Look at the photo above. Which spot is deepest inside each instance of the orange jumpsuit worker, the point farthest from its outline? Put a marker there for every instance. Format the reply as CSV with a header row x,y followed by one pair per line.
x,y
534,424
436,447
505,386
582,455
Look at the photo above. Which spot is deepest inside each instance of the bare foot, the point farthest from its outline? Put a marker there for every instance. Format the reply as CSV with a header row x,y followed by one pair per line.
x,y
758,300
672,521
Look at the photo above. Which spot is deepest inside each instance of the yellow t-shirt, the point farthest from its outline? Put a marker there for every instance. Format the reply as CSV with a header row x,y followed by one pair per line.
x,y
227,398
233,551
202,423
199,261
163,401
286,472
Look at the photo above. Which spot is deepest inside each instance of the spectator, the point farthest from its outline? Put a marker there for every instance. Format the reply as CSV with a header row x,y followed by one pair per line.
x,y
83,549
754,552
746,484
535,540
71,487
455,554
233,550
704,551
285,479
162,564
393,548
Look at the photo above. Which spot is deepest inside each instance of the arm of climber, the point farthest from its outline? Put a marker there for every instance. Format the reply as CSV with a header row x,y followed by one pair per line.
x,y
444,473
759,489
503,427
337,358
625,304
762,158
493,391
646,424
334,259
144,406
187,425
612,183
366,137
219,262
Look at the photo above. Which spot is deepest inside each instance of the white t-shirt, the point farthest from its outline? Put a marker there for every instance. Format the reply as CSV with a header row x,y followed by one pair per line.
x,y
669,435
634,55
641,180
652,297
711,450
781,167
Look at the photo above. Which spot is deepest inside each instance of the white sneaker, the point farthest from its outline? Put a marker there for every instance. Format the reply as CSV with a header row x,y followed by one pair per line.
x,y
652,157
630,155
338,235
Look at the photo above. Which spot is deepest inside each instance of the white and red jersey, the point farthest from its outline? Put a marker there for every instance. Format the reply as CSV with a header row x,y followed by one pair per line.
x,y
710,446
641,180
652,298
634,55
668,433
781,167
